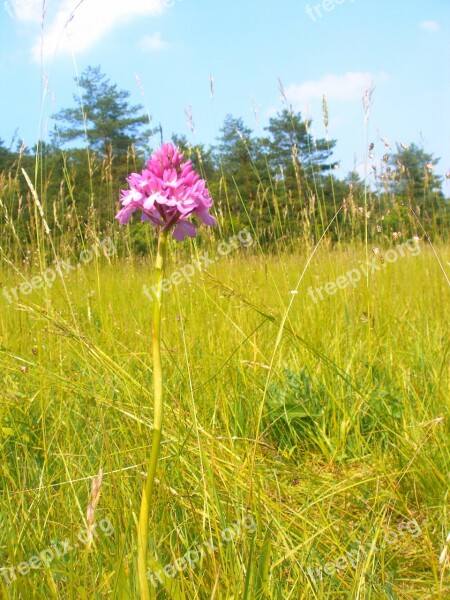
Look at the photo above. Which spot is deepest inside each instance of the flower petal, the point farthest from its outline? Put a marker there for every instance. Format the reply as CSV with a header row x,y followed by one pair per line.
x,y
183,229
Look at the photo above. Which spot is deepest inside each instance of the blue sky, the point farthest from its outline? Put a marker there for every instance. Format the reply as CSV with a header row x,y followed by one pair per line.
x,y
165,51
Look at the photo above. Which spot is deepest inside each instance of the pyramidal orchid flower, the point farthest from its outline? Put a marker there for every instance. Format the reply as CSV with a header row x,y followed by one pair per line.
x,y
167,193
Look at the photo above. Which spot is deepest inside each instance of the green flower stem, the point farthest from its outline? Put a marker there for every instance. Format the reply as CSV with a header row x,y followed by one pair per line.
x,y
147,493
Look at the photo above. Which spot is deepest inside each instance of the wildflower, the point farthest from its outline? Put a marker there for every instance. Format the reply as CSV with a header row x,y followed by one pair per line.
x,y
168,192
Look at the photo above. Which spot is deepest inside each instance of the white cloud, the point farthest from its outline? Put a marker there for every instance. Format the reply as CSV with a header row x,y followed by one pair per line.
x,y
77,25
430,25
25,10
149,43
346,87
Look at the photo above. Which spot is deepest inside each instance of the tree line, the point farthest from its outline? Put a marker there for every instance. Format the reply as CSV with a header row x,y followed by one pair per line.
x,y
284,184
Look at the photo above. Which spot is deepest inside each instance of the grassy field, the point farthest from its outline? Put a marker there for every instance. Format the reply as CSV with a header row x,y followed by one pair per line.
x,y
305,449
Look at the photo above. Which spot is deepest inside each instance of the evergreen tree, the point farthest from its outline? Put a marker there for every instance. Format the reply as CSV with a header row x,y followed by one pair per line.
x,y
6,157
235,152
104,116
236,156
414,177
416,187
290,143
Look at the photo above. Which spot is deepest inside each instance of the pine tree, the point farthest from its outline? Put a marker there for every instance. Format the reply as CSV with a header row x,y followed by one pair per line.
x,y
104,117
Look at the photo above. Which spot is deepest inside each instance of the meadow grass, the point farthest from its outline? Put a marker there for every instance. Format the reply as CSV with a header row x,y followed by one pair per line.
x,y
308,440
304,452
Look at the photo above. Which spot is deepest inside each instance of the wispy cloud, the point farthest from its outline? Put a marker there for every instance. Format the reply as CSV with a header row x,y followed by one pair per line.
x,y
25,11
347,87
76,25
430,25
150,43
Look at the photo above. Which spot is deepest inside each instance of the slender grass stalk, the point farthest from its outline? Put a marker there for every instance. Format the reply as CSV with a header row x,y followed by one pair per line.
x,y
147,493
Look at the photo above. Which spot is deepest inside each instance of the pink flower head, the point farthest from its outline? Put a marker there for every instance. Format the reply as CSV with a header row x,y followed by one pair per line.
x,y
167,193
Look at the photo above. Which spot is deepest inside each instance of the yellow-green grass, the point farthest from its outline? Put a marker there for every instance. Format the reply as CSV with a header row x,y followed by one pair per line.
x,y
326,424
